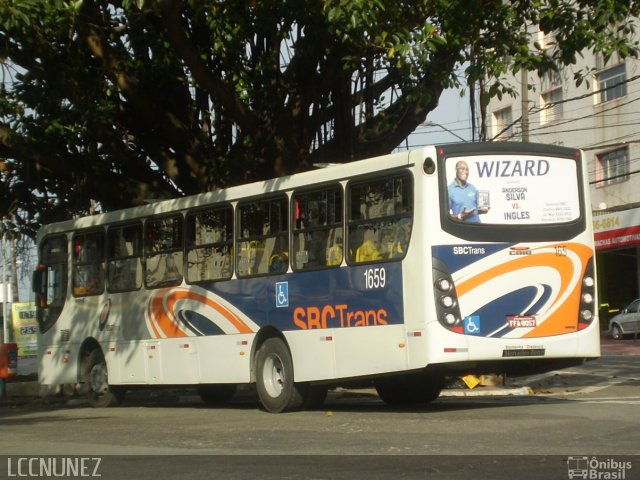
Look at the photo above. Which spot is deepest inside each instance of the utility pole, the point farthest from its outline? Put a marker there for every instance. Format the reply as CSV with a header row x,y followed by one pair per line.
x,y
5,304
524,96
6,334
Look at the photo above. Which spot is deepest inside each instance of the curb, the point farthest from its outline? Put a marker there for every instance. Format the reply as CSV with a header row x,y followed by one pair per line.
x,y
30,389
487,392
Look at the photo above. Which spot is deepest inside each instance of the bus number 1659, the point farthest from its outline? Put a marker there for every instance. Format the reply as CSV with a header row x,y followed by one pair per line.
x,y
375,277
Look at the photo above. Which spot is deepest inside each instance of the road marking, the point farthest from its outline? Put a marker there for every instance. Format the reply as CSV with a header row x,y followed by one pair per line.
x,y
612,400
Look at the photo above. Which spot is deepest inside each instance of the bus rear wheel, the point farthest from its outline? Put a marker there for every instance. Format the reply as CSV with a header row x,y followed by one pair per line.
x,y
99,393
274,378
409,389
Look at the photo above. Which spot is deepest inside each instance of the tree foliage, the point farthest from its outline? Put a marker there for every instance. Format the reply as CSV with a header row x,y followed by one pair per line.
x,y
122,101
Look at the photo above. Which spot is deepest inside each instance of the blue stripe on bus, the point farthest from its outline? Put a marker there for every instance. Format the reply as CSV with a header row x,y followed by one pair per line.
x,y
493,313
198,323
336,297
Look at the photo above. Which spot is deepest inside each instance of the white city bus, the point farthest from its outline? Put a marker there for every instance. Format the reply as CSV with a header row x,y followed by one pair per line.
x,y
402,270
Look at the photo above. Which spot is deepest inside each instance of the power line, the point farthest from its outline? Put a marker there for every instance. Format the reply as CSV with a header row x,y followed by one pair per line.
x,y
538,109
622,175
601,114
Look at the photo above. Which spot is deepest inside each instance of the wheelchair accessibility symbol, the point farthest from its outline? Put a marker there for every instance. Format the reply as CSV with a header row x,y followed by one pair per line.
x,y
282,294
472,324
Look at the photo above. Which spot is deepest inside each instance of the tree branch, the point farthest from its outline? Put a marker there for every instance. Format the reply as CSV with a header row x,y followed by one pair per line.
x,y
224,95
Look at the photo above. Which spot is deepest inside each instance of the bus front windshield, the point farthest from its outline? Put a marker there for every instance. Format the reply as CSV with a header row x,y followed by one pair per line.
x,y
512,189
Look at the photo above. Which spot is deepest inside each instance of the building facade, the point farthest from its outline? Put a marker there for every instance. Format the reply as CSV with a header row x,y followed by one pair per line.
x,y
601,117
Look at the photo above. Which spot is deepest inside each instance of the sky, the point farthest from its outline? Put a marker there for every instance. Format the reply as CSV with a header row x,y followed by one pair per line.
x,y
453,113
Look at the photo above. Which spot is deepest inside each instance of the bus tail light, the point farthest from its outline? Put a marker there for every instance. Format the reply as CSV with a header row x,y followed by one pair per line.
x,y
446,299
587,297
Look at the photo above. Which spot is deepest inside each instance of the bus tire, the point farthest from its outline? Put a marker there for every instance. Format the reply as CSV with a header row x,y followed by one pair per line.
x,y
274,378
409,389
99,393
217,394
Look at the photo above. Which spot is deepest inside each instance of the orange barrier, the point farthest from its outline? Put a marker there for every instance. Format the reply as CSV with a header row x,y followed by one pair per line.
x,y
8,360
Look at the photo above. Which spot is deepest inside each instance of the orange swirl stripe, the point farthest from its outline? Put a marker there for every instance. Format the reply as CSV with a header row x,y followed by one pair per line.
x,y
164,317
567,313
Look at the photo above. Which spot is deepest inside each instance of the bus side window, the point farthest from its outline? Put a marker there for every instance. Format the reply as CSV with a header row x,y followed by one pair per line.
x,y
163,253
263,240
402,232
317,227
334,246
209,244
88,263
124,258
380,219
54,266
369,250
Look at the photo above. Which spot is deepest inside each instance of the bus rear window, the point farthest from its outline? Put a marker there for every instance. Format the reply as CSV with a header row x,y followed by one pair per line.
x,y
512,189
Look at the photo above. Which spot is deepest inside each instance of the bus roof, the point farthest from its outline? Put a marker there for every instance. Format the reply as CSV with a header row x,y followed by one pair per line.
x,y
334,172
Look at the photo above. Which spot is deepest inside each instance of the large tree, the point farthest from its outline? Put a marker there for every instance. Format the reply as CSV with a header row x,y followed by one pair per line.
x,y
122,101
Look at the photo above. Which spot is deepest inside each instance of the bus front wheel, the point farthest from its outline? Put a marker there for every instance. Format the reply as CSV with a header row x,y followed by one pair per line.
x,y
99,392
274,378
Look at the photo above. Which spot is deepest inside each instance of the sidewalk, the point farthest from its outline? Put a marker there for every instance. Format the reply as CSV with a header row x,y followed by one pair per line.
x,y
556,382
27,390
609,346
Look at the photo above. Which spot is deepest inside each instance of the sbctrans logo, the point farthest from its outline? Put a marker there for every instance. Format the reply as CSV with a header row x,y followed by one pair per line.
x,y
593,468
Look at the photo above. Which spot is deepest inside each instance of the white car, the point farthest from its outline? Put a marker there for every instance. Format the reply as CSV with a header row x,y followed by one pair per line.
x,y
627,322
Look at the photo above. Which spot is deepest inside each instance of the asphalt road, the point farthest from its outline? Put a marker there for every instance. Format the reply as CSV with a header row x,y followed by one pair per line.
x,y
591,410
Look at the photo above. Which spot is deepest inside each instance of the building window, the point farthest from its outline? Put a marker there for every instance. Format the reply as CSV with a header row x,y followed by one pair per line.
x,y
551,105
503,121
551,79
612,167
611,83
548,40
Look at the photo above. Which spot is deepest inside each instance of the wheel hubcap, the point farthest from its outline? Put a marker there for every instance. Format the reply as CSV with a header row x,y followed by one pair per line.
x,y
98,378
273,375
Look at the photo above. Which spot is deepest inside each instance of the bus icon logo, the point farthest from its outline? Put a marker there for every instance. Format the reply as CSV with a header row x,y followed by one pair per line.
x,y
282,294
578,467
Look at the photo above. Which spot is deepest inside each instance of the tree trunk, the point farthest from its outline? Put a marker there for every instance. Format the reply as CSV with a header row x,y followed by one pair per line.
x,y
13,259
